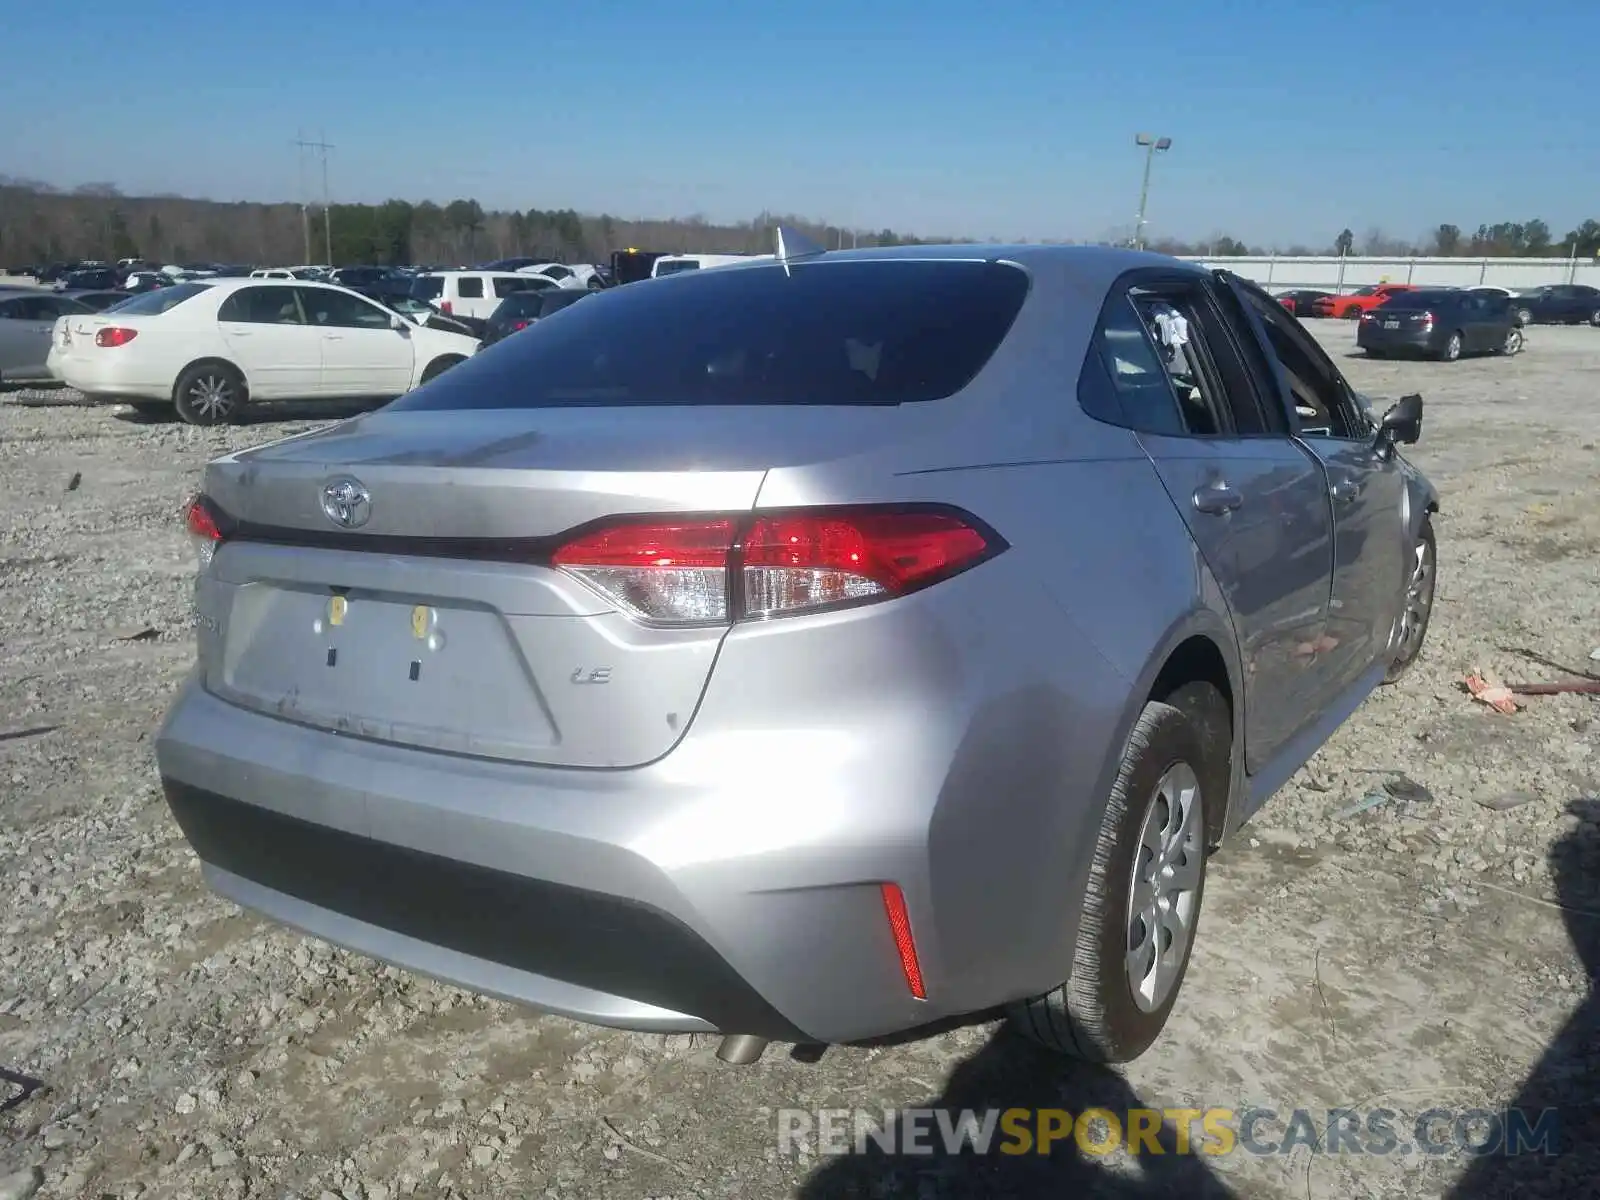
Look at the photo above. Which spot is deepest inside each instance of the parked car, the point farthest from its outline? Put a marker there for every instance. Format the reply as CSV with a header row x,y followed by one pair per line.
x,y
473,293
273,273
210,347
580,277
146,281
26,318
426,314
1301,302
688,664
521,309
98,301
1558,304
1442,323
92,279
1357,302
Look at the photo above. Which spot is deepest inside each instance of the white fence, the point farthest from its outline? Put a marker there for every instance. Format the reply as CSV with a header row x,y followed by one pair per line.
x,y
1339,275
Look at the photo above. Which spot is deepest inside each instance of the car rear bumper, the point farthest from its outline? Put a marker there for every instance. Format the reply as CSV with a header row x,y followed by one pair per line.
x,y
1372,337
107,377
734,884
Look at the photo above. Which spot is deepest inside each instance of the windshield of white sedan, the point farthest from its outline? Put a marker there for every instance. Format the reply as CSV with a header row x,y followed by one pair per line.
x,y
821,333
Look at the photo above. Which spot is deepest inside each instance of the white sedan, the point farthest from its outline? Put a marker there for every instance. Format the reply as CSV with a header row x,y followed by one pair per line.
x,y
209,347
580,277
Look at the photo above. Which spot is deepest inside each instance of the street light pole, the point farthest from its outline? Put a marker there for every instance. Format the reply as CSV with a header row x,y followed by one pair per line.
x,y
1151,144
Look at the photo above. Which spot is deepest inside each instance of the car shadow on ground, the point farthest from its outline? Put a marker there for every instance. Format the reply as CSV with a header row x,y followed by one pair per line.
x,y
1567,1078
260,414
1012,1072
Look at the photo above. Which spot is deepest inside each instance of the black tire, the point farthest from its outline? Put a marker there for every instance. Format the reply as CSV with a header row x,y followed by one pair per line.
x,y
209,393
1513,343
1094,1015
1452,349
1409,652
1353,313
1594,318
439,366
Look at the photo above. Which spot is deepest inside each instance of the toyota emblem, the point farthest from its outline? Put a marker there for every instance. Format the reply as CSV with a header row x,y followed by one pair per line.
x,y
346,502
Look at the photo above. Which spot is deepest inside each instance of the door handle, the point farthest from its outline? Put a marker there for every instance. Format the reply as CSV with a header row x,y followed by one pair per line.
x,y
333,337
1345,491
1217,498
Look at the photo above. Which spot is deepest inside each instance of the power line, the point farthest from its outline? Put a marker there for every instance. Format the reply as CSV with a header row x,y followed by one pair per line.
x,y
321,146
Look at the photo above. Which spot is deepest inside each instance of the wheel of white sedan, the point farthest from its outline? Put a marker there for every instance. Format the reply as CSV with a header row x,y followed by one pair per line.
x,y
209,393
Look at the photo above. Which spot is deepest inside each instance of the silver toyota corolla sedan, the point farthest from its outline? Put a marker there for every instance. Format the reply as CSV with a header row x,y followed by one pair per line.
x,y
803,650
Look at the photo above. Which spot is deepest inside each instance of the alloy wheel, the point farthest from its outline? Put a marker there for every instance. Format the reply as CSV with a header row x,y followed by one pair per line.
x,y
1163,898
212,396
1418,604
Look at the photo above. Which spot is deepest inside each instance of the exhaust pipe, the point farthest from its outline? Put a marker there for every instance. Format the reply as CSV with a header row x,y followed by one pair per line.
x,y
741,1049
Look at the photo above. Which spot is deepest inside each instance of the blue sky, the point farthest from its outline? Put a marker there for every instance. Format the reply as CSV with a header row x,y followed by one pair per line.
x,y
1010,119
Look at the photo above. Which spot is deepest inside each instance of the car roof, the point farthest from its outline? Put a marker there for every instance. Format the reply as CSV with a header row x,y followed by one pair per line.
x,y
1096,266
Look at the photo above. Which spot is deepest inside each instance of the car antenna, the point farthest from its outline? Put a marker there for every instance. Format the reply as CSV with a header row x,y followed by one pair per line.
x,y
793,244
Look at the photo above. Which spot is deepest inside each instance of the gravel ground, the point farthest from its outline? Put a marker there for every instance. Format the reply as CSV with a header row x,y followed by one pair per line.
x,y
1433,951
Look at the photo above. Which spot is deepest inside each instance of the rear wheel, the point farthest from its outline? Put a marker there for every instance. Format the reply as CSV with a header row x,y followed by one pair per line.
x,y
1513,342
1417,606
209,393
439,366
1352,313
1524,316
1452,348
1594,318
1142,903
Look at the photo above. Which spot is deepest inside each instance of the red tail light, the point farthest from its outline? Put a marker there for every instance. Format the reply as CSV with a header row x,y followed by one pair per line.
x,y
115,335
446,307
722,568
204,529
1427,318
518,325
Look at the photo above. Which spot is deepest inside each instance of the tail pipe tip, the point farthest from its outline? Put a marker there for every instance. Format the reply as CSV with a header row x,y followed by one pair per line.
x,y
741,1049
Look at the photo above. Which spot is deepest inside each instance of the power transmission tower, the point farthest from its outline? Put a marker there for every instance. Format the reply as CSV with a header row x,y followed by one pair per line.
x,y
321,146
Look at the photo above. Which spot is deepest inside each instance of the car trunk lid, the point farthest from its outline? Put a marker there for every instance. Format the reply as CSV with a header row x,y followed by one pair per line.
x,y
437,621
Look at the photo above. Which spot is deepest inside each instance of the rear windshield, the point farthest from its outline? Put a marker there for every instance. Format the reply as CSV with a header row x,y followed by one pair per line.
x,y
1420,299
150,304
427,287
825,333
518,304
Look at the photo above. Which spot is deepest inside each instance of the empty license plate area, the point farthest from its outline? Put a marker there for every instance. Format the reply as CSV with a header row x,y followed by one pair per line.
x,y
416,670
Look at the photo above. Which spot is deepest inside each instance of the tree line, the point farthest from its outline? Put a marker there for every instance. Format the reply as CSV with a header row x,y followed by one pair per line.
x,y
40,224
1504,239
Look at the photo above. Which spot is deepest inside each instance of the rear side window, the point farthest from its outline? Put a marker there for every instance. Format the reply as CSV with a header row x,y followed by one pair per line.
x,y
427,287
469,287
818,333
504,286
150,304
672,268
261,306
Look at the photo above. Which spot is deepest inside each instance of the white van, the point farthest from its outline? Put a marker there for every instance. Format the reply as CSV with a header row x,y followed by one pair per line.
x,y
671,264
272,273
473,293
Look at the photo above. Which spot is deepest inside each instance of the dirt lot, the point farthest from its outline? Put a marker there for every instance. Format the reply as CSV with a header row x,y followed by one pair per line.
x,y
1439,951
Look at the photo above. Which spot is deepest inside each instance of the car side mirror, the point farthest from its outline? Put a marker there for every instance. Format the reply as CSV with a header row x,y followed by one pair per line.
x,y
1402,423
399,324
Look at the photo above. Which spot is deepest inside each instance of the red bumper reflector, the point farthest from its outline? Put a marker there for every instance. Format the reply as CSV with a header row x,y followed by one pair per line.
x,y
894,905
